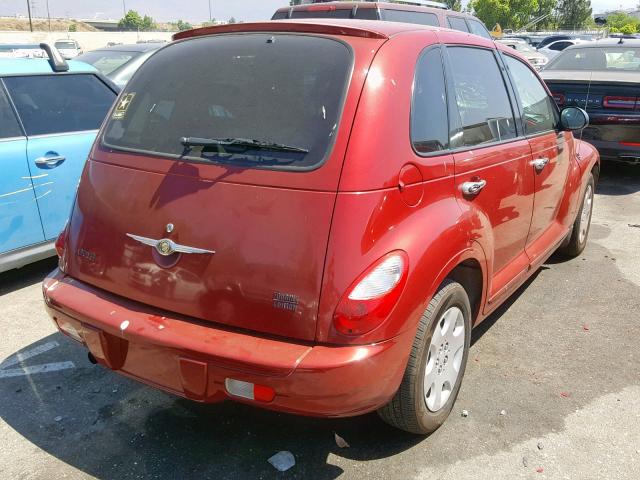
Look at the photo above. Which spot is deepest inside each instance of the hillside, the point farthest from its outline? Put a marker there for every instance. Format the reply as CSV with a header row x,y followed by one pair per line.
x,y
42,25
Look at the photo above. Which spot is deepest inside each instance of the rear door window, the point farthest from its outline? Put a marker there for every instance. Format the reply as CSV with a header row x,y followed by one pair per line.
x,y
485,111
256,100
457,23
9,126
404,16
50,104
429,119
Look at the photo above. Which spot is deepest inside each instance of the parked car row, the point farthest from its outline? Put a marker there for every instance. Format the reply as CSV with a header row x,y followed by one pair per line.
x,y
602,77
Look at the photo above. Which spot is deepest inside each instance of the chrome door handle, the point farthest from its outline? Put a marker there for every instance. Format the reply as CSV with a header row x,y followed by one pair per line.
x,y
473,188
540,163
49,162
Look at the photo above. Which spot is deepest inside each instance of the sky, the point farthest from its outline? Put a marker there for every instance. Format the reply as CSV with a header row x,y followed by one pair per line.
x,y
160,10
188,10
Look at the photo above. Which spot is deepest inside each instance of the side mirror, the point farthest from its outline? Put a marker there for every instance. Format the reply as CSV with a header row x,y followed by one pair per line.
x,y
573,118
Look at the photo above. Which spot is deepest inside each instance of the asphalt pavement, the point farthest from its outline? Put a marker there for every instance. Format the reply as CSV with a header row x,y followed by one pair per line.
x,y
552,391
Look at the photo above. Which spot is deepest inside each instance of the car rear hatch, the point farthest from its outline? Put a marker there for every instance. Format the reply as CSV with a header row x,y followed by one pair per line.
x,y
229,148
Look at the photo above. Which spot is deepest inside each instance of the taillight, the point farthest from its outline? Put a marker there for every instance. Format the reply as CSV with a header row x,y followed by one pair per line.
x,y
61,246
627,103
559,98
372,296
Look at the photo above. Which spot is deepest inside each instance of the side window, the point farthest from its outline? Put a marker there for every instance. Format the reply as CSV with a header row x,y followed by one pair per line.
x,y
539,114
478,28
483,103
9,127
429,122
457,23
49,104
403,16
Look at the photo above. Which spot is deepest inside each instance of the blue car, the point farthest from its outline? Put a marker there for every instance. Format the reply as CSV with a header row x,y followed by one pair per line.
x,y
50,112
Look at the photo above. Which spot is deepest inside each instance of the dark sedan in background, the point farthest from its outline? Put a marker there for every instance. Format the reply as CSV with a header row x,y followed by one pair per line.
x,y
603,77
120,62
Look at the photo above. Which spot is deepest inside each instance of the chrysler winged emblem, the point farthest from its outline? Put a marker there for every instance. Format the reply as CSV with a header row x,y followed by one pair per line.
x,y
166,247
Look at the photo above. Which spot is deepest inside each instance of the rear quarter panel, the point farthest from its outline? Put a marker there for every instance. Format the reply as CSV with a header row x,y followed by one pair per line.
x,y
374,216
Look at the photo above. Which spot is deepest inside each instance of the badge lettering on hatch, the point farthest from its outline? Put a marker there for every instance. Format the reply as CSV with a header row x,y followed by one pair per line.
x,y
285,301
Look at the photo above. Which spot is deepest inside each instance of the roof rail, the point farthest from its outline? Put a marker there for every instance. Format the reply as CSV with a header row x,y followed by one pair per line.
x,y
422,3
58,64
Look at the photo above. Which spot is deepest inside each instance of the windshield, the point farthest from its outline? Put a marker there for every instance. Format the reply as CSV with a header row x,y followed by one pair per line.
x,y
611,58
107,60
271,89
64,45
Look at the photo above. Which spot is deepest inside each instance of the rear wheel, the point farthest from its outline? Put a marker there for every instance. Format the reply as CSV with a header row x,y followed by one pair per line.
x,y
436,365
580,231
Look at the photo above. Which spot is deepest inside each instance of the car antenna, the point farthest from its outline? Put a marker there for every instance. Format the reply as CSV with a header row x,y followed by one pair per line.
x,y
58,64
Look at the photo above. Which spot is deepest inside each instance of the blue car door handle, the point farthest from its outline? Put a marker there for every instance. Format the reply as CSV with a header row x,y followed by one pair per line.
x,y
50,160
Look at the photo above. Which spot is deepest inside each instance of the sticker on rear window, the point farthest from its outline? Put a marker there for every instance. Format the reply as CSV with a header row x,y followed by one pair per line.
x,y
123,105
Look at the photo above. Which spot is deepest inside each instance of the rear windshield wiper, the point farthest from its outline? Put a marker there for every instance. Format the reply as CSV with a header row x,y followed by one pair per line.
x,y
239,142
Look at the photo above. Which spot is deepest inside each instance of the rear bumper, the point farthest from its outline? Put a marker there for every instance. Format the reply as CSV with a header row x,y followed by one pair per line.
x,y
192,359
615,142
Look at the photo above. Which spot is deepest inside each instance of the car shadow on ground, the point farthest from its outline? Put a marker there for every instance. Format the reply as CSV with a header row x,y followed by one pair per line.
x,y
112,427
618,179
23,277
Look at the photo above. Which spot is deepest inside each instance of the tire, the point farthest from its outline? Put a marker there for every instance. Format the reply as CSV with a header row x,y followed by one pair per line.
x,y
581,226
411,409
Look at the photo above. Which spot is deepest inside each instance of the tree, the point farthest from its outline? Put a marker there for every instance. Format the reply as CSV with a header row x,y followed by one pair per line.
x,y
573,14
454,4
618,20
132,21
182,26
233,20
148,24
73,27
508,13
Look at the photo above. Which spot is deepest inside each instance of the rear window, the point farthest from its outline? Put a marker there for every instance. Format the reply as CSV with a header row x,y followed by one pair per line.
x,y
360,13
333,13
256,100
404,16
601,59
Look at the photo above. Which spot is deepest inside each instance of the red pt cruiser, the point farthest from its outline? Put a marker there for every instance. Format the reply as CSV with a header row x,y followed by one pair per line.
x,y
312,216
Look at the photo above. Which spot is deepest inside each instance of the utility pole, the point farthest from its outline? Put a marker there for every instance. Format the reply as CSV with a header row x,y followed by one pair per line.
x,y
29,10
210,15
124,9
49,16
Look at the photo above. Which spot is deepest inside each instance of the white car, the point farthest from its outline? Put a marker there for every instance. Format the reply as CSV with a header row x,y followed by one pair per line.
x,y
535,58
554,48
68,48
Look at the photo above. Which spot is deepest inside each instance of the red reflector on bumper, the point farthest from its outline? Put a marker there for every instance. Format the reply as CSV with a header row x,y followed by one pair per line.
x,y
630,144
250,391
